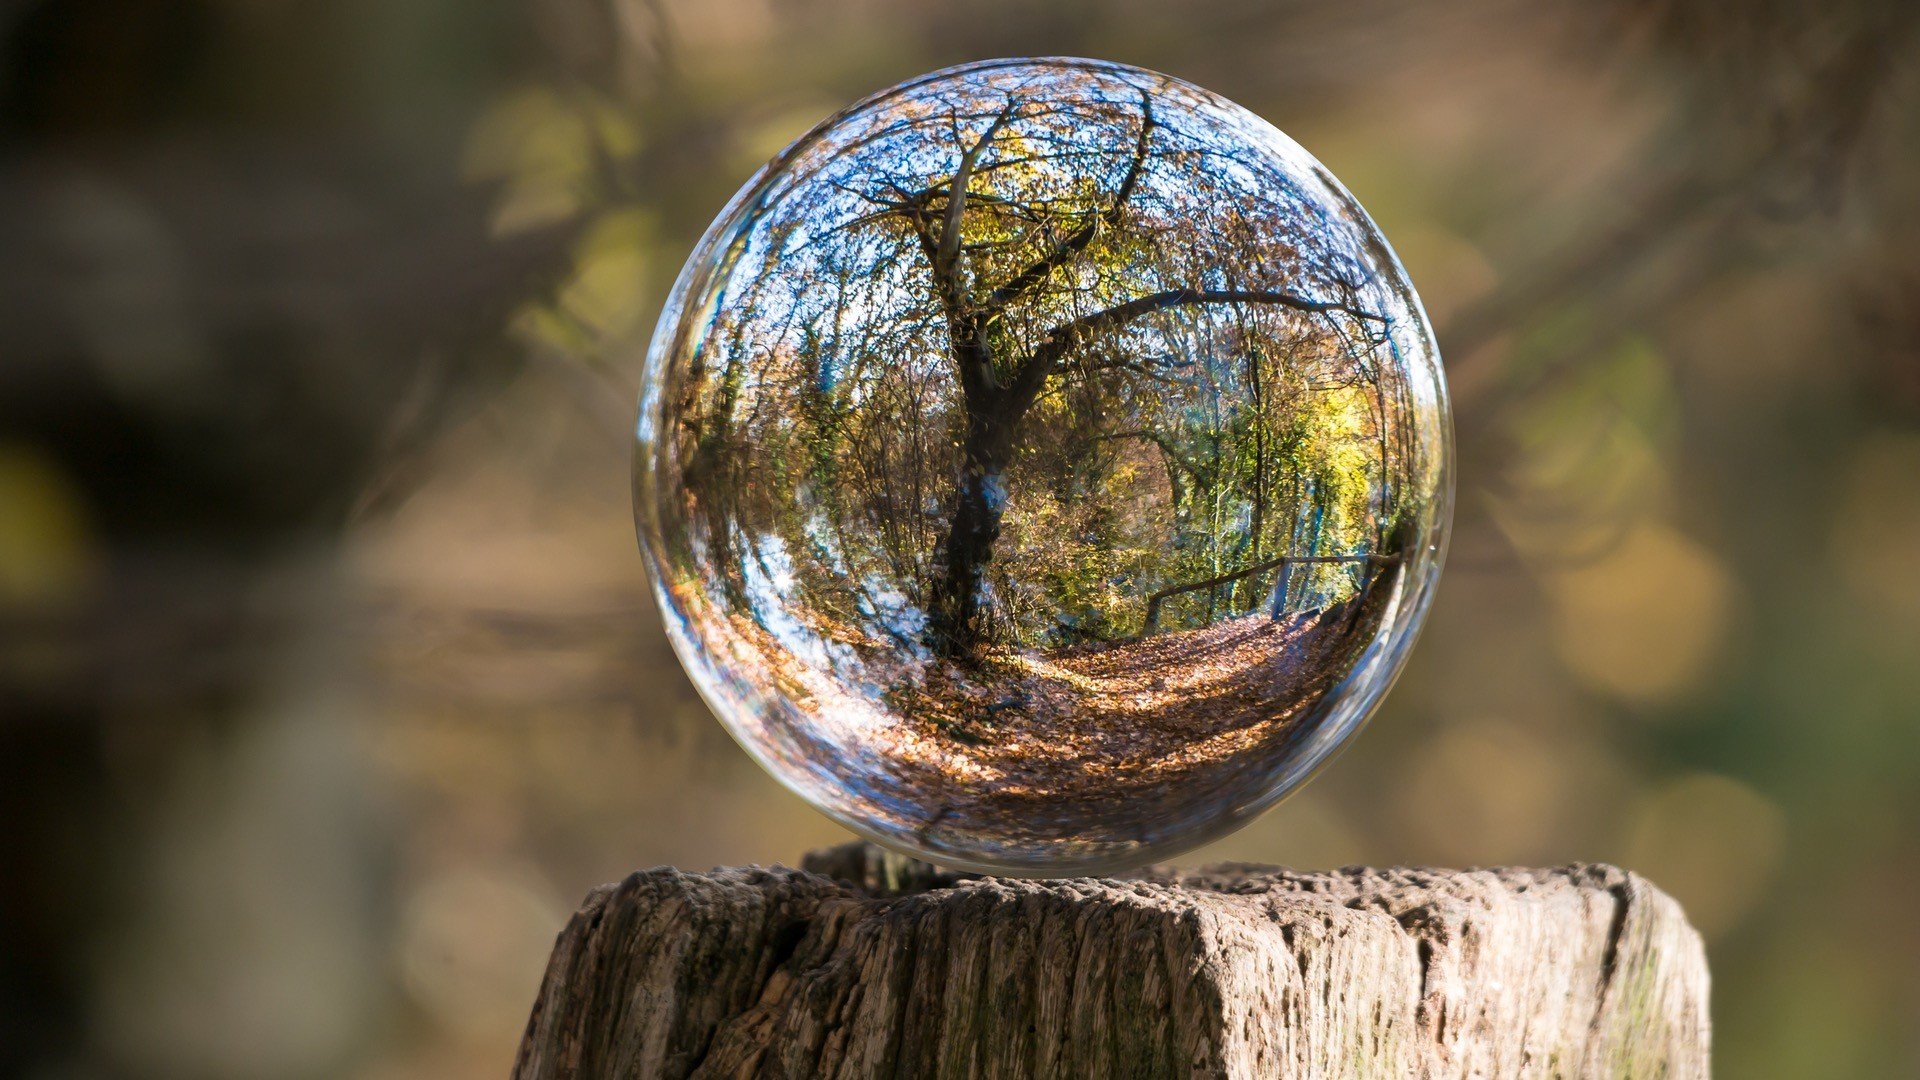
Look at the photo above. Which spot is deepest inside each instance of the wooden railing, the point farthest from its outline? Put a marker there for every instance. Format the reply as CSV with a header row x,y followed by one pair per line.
x,y
1154,600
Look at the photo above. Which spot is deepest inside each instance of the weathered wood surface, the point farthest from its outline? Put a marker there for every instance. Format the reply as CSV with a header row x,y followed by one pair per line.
x,y
873,965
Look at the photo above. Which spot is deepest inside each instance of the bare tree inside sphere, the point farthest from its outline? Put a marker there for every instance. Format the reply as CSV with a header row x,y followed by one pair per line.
x,y
1043,466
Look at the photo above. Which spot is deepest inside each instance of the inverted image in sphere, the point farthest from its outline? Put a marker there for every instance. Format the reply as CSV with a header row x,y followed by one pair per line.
x,y
1043,466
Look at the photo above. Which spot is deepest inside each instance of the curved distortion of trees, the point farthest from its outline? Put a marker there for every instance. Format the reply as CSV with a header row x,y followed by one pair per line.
x,y
1043,462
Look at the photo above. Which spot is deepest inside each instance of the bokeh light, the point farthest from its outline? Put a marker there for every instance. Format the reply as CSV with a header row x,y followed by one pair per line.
x,y
324,644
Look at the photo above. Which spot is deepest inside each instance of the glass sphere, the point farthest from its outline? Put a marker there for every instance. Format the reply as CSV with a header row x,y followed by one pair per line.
x,y
1043,466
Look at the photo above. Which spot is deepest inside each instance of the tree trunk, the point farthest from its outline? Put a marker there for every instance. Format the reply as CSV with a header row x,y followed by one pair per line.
x,y
958,617
874,965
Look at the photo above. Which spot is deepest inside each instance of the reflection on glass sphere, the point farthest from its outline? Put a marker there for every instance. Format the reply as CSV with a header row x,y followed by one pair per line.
x,y
1043,465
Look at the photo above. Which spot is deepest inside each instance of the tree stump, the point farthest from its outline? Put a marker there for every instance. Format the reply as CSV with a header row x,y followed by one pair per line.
x,y
866,964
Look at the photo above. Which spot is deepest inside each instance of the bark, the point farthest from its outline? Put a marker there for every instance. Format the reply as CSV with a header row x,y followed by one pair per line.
x,y
877,965
979,500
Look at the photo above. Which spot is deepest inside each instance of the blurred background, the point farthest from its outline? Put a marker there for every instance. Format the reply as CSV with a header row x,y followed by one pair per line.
x,y
329,681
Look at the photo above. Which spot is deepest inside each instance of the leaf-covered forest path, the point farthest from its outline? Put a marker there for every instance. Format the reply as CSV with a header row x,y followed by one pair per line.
x,y
1055,745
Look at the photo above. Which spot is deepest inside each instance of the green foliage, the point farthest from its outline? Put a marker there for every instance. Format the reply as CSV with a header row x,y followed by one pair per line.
x,y
1028,353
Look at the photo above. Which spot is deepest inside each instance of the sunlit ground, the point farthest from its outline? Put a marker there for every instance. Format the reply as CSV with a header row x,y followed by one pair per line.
x,y
1045,758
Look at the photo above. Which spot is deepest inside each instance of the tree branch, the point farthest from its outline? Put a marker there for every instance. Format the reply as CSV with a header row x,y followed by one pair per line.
x,y
974,366
1077,241
1032,374
1166,448
949,249
1063,337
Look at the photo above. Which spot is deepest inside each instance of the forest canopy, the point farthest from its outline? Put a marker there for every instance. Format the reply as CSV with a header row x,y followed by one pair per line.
x,y
1022,359
1042,460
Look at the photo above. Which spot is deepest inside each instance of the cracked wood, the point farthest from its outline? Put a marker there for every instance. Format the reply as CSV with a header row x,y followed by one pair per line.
x,y
872,965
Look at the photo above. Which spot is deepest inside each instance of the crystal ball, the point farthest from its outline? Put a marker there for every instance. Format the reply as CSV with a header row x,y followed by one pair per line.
x,y
1043,466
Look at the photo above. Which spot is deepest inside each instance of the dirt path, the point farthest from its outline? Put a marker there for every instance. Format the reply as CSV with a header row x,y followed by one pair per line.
x,y
1107,745
1136,712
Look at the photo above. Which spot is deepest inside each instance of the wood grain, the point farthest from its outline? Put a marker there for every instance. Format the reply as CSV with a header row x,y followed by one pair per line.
x,y
867,964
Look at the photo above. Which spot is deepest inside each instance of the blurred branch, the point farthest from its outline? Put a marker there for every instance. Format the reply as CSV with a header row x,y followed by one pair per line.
x,y
1814,132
